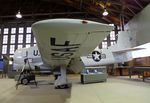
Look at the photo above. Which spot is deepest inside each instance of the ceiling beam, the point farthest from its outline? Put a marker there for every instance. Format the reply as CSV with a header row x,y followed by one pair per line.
x,y
131,10
139,4
134,7
113,2
45,14
111,19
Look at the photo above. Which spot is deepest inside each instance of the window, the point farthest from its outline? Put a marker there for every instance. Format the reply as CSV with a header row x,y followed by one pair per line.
x,y
111,24
12,49
11,56
112,43
13,30
4,49
20,38
104,44
11,62
20,46
21,29
5,31
28,38
112,35
118,27
5,39
28,45
28,30
105,38
34,40
16,36
12,40
35,45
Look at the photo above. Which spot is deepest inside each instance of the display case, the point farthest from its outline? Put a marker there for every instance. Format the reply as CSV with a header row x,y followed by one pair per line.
x,y
94,74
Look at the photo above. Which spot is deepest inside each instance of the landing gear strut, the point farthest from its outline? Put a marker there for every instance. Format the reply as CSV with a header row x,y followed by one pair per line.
x,y
61,81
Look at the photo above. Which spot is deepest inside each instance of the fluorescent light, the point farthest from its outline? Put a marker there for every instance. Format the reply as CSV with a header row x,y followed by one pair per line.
x,y
18,15
105,13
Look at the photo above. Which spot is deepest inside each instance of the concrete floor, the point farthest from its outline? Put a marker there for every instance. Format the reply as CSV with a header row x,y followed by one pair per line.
x,y
115,90
43,93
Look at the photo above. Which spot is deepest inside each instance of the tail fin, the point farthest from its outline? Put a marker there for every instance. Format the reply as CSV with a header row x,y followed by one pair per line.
x,y
126,39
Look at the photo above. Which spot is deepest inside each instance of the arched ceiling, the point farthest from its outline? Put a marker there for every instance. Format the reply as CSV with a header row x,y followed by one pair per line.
x,y
86,9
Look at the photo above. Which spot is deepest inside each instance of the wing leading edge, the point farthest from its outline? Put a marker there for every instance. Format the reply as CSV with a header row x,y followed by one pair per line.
x,y
60,40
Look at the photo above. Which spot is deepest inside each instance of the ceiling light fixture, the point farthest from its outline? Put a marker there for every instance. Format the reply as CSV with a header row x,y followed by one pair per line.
x,y
18,15
105,13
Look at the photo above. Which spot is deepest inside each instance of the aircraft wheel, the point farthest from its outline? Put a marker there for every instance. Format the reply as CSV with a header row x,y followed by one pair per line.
x,y
24,81
62,86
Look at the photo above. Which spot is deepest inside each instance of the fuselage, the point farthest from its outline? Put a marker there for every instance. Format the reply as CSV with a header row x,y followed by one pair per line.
x,y
31,53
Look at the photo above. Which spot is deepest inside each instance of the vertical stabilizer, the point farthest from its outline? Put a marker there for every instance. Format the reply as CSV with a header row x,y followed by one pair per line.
x,y
126,39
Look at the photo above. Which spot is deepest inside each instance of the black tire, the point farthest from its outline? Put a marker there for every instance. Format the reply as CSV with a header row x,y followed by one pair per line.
x,y
62,86
24,81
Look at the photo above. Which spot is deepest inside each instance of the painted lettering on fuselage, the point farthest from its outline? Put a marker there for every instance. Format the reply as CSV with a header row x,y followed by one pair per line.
x,y
65,51
103,56
34,53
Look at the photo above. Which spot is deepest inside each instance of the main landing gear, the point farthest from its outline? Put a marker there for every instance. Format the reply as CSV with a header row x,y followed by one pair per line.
x,y
61,80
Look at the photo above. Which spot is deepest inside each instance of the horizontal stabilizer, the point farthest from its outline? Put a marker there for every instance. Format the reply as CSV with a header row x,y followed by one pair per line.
x,y
127,50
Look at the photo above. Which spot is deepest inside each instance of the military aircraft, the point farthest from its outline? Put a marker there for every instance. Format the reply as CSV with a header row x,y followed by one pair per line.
x,y
61,43
120,52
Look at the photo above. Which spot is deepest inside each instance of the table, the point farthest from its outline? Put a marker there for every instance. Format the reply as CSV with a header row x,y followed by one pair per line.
x,y
140,69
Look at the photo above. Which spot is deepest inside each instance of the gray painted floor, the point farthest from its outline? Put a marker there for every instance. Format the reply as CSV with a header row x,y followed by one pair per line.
x,y
115,90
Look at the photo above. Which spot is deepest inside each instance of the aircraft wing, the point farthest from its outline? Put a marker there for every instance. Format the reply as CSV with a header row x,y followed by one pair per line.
x,y
125,54
127,50
62,40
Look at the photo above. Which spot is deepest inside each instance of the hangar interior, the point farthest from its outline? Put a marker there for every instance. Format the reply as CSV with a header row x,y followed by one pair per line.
x,y
120,12
124,15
